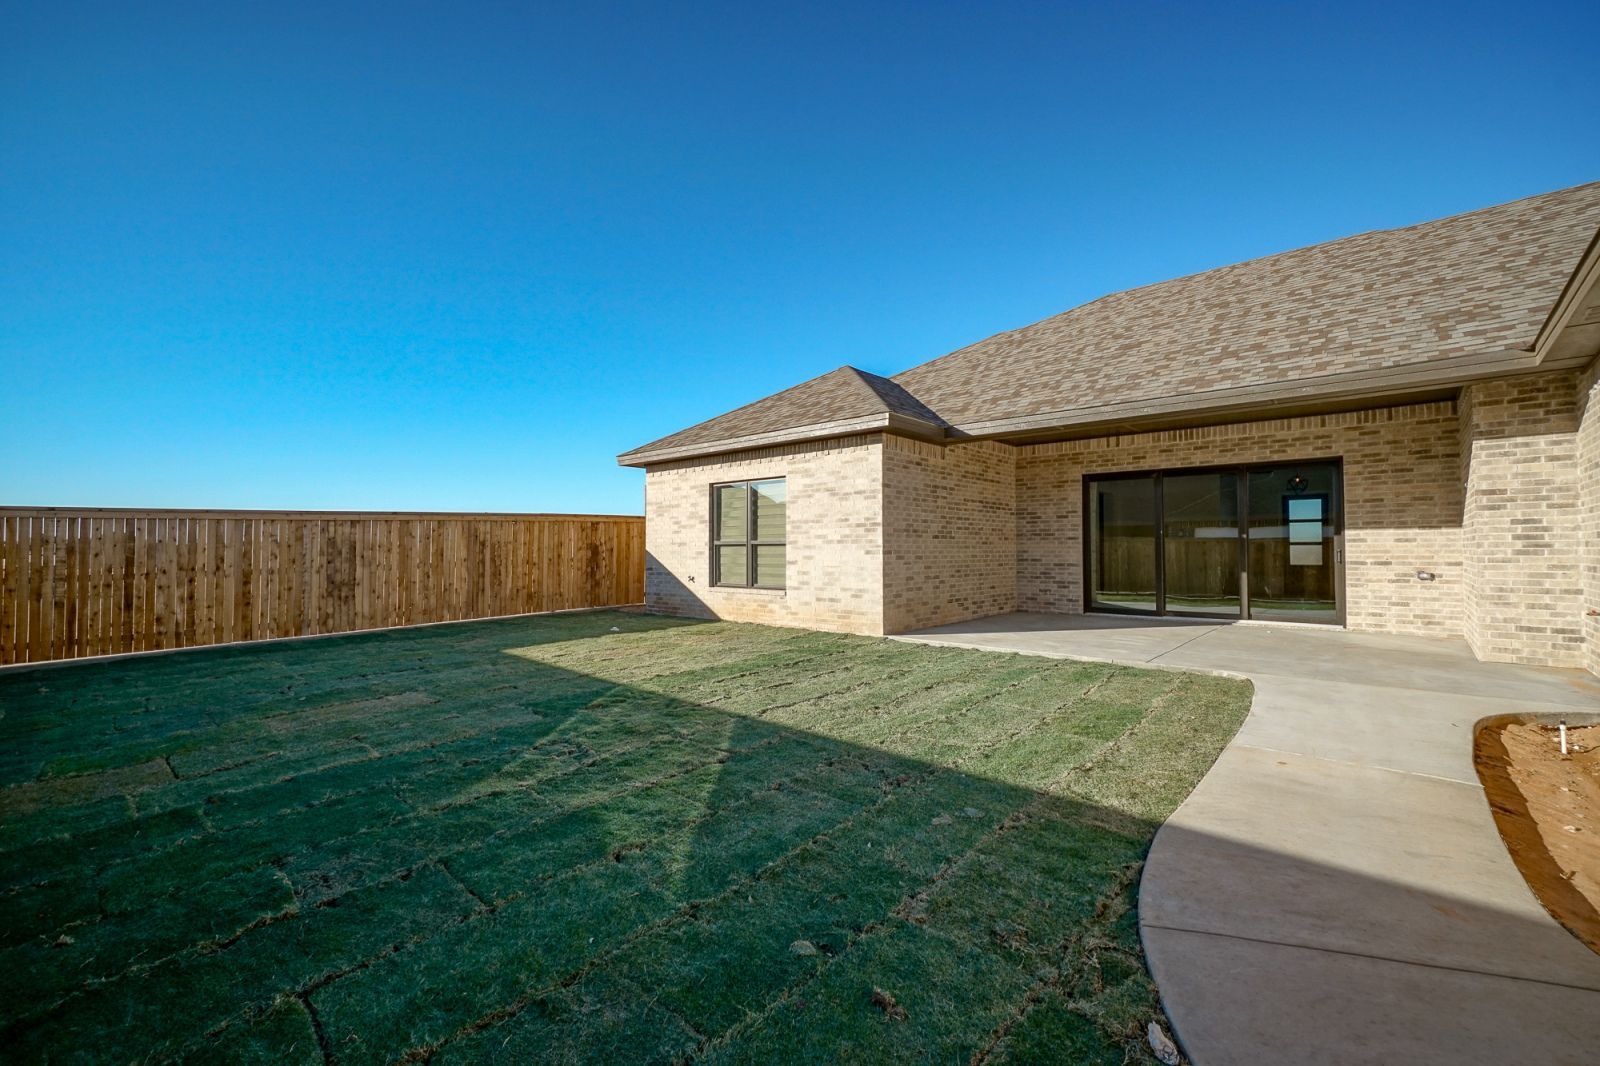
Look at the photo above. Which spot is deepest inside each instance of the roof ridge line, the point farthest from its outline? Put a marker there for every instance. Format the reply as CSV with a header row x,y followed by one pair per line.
x,y
861,378
868,381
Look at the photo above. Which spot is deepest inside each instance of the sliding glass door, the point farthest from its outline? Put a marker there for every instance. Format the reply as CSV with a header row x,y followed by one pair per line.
x,y
1242,542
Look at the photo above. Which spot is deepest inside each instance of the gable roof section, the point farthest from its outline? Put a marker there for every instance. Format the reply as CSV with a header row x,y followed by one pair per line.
x,y
1375,314
840,402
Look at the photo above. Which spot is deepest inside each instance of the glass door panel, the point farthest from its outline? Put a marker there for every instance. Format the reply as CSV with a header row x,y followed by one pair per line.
x,y
1122,544
1292,547
1200,537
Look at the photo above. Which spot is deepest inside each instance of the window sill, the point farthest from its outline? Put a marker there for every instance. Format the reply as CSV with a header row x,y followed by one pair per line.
x,y
749,588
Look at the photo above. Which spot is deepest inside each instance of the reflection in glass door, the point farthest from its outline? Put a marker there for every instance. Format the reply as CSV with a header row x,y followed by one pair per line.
x,y
1293,552
1200,543
1122,543
1248,542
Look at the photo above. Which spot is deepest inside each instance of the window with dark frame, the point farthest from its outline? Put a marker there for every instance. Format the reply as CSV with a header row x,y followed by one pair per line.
x,y
748,523
1303,517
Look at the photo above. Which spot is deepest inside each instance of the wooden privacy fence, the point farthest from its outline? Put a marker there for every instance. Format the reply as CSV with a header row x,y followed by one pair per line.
x,y
101,581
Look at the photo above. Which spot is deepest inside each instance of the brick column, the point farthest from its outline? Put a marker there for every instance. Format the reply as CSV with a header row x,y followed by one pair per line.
x,y
1520,527
1589,504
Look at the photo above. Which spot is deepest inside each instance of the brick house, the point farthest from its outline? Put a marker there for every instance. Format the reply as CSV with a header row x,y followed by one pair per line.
x,y
1397,431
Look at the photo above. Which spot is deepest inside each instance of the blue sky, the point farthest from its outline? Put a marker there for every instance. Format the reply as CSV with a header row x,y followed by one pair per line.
x,y
457,256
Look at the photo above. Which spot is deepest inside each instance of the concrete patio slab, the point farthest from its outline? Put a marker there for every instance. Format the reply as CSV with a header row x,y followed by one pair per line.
x,y
1308,1006
1099,637
1335,889
1378,726
1367,862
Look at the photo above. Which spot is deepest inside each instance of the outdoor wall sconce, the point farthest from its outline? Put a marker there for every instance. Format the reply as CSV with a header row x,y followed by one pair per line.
x,y
1426,575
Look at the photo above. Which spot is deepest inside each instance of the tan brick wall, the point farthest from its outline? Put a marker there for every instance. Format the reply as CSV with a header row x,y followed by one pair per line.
x,y
1521,530
835,536
949,545
1402,506
887,534
1589,504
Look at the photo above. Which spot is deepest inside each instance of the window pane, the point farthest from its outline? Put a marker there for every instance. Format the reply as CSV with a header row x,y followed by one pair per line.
x,y
731,566
769,565
770,509
1122,543
1305,509
1305,532
1201,534
1305,554
731,513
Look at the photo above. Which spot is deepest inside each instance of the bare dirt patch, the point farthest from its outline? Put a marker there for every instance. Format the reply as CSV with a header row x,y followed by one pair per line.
x,y
1547,807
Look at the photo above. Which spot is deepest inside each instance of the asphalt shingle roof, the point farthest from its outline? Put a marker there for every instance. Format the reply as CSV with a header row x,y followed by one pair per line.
x,y
1474,283
1478,282
845,396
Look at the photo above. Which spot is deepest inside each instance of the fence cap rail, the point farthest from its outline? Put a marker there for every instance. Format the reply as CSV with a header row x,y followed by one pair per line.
x,y
181,512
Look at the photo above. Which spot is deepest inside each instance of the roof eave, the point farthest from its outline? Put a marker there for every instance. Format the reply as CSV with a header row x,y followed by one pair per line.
x,y
1389,382
1573,326
888,422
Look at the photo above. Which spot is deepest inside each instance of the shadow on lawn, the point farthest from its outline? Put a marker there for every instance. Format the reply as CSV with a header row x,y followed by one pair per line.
x,y
522,840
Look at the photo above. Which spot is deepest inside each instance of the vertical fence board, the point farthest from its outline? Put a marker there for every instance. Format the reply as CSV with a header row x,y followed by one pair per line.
x,y
32,573
8,588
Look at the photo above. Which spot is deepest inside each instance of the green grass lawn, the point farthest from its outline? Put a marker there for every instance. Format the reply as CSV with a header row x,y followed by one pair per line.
x,y
537,840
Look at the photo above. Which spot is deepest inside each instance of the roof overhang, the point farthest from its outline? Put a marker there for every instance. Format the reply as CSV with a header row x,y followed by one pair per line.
x,y
889,422
1407,383
1571,332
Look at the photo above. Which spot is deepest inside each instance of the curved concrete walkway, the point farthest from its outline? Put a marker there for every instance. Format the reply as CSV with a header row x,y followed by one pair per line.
x,y
1335,889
